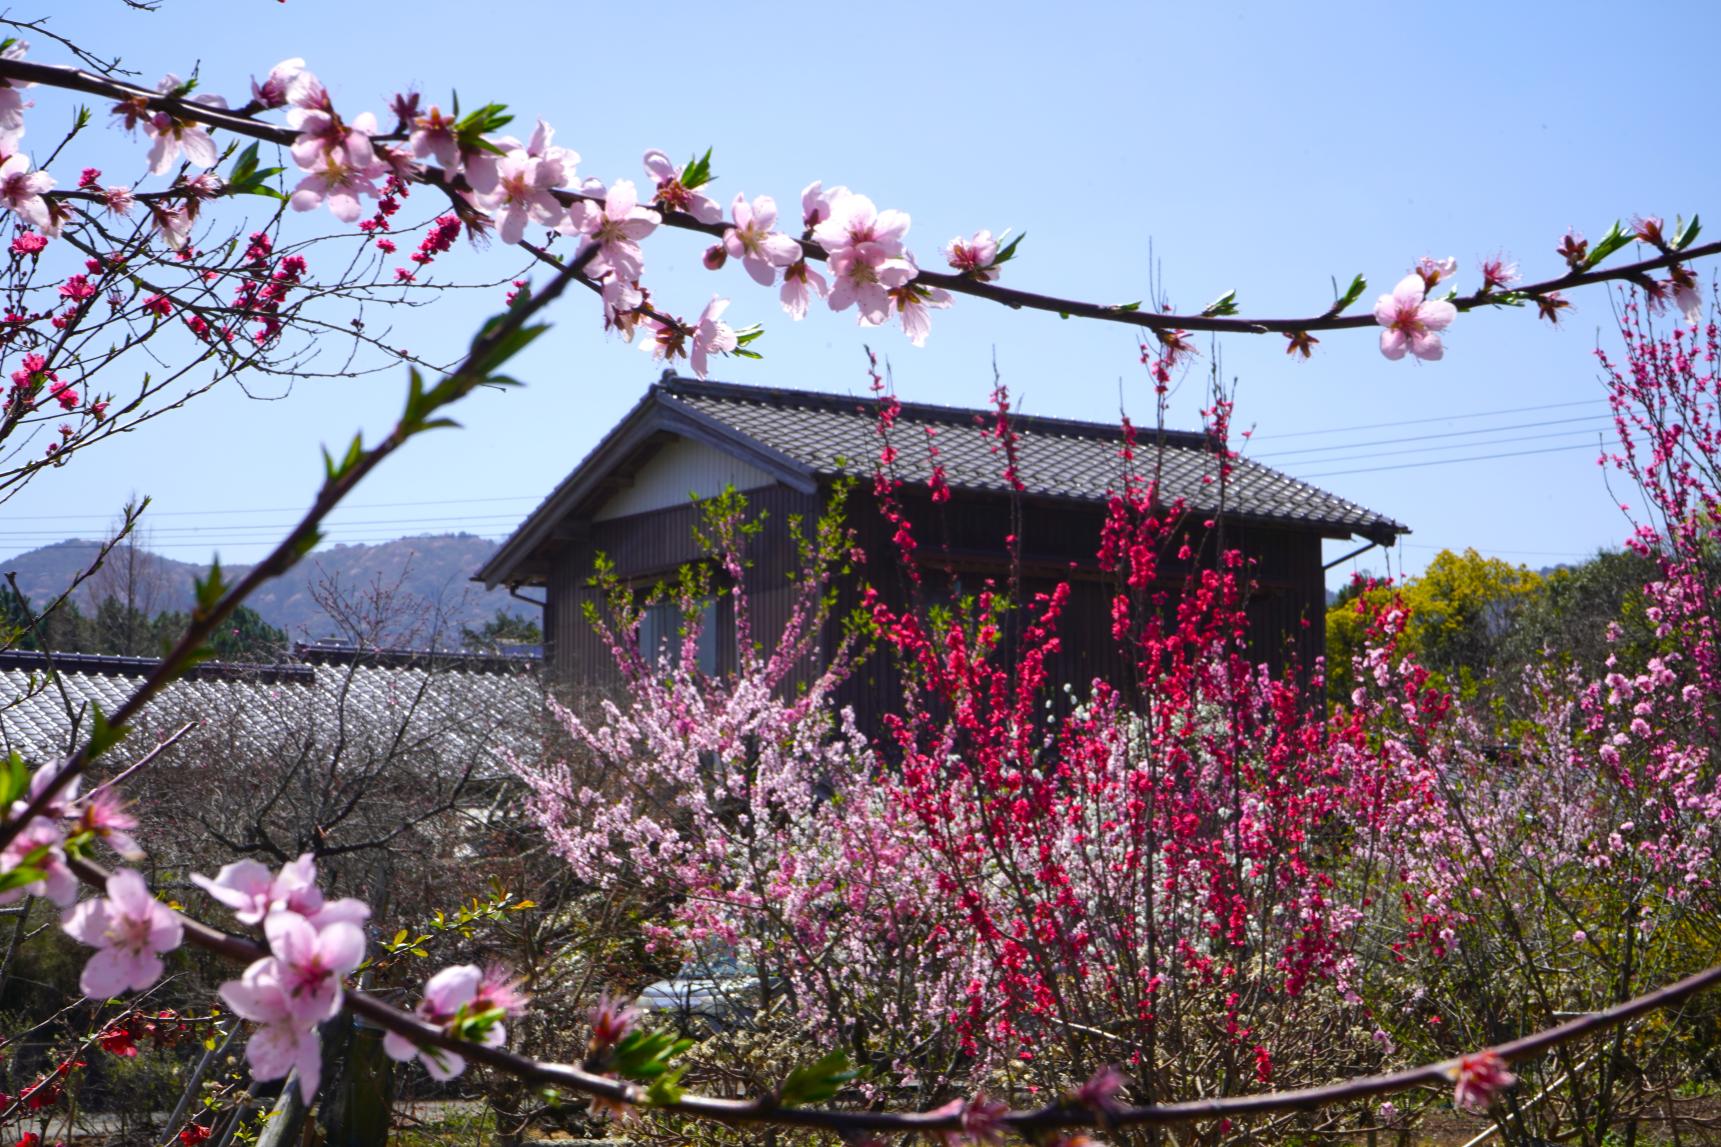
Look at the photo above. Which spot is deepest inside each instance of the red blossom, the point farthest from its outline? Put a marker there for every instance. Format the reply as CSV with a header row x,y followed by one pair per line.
x,y
1479,1079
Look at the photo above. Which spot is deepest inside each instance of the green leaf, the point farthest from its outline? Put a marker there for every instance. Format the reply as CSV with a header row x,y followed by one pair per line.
x,y
334,471
1351,295
646,1054
1225,304
501,351
28,870
697,173
666,1089
14,780
1135,306
1008,251
103,736
1608,244
1684,233
244,166
306,544
816,1082
211,589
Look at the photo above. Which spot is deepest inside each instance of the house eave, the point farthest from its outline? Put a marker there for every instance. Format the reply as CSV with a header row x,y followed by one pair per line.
x,y
522,558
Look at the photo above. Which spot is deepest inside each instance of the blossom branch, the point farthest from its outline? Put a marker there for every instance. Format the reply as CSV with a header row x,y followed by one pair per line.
x,y
501,338
1213,320
1051,1117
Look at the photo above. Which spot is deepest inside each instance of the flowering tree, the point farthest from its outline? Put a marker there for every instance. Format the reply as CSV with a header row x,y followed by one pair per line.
x,y
1149,859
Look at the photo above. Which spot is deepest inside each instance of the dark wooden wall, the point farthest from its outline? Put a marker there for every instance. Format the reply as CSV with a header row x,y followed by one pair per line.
x,y
965,536
650,547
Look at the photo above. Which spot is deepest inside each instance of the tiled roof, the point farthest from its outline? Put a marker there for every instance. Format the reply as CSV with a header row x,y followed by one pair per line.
x,y
1058,458
429,706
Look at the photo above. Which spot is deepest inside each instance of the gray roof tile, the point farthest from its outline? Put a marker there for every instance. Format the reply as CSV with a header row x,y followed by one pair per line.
x,y
455,714
1058,457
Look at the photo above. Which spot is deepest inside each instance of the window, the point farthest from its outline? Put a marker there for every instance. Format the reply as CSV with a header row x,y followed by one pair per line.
x,y
660,626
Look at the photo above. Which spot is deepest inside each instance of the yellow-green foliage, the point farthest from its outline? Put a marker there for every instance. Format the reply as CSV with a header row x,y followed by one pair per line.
x,y
1461,608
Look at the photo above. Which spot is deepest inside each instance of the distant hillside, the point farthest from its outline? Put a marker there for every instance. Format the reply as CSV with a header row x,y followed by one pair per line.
x,y
402,592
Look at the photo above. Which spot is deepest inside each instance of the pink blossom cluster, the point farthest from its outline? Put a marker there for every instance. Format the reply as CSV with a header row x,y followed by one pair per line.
x,y
67,822
314,945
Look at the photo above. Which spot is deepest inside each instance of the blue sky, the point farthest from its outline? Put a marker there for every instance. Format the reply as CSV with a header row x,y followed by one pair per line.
x,y
1200,147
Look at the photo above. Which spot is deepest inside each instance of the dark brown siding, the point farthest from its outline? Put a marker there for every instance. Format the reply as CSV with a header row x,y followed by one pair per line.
x,y
966,536
652,546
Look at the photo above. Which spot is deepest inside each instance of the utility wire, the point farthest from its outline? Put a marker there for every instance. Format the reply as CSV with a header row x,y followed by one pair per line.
x,y
1438,418
1590,435
1603,419
1451,461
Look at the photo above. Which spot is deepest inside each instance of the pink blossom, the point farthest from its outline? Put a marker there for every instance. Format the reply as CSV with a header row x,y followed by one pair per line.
x,y
253,892
243,886
21,192
447,995
611,1021
173,136
800,281
57,882
711,335
866,256
673,195
433,137
283,1040
322,133
313,961
1648,230
12,102
1478,1079
1686,297
501,989
620,297
974,257
912,301
1432,270
523,194
131,929
1411,322
1498,273
105,815
816,203
335,180
752,240
616,225
982,1121
118,200
173,224
273,91
29,243
542,146
1100,1092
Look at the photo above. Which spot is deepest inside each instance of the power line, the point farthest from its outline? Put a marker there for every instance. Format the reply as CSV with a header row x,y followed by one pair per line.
x,y
277,528
1424,421
1447,446
1478,547
206,546
1591,418
275,509
1450,461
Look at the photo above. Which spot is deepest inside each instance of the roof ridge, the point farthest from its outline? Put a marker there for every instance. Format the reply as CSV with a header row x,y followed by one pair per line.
x,y
923,411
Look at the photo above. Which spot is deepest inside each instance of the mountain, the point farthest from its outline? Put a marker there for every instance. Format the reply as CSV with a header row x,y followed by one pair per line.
x,y
409,592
